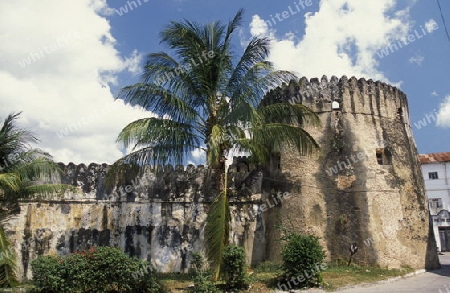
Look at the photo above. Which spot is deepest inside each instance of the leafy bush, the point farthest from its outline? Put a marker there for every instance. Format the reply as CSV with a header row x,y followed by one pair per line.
x,y
103,269
202,279
234,267
49,274
302,260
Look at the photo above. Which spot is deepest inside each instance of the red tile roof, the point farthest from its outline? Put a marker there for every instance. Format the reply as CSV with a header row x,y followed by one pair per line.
x,y
436,157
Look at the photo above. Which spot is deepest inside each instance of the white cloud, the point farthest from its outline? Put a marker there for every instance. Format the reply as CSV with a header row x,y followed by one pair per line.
x,y
443,117
198,156
198,153
434,93
133,63
342,38
101,7
70,61
418,59
431,25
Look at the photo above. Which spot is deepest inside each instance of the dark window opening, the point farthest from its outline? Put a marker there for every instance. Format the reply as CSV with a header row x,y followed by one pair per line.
x,y
433,175
379,158
400,114
275,162
384,156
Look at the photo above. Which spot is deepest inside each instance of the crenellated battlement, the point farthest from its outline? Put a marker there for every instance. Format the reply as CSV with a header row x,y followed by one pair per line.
x,y
152,168
72,170
353,189
154,182
358,96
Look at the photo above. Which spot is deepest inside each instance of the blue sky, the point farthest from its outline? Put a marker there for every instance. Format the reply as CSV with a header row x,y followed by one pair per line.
x,y
62,62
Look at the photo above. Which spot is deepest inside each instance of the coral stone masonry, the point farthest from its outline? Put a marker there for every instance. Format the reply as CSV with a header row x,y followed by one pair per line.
x,y
364,187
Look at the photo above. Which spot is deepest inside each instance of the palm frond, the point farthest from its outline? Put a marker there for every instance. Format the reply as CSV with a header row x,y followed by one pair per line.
x,y
241,114
255,52
158,132
8,264
257,81
292,114
215,144
178,78
157,65
233,25
216,231
9,182
159,101
278,136
36,169
259,150
155,141
45,191
13,140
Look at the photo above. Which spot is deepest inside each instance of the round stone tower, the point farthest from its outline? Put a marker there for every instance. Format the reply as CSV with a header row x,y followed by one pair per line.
x,y
365,185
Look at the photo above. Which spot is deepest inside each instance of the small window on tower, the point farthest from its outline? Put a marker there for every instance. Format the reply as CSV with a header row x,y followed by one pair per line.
x,y
384,156
335,105
379,157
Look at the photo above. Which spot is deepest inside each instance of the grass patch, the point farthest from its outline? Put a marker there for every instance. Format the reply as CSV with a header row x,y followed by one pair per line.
x,y
175,282
337,276
264,277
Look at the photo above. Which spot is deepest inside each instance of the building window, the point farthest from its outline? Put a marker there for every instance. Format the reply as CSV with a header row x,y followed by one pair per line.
x,y
433,175
384,156
435,203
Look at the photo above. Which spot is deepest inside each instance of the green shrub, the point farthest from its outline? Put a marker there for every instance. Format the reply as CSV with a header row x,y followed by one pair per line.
x,y
201,278
303,260
49,274
234,267
103,269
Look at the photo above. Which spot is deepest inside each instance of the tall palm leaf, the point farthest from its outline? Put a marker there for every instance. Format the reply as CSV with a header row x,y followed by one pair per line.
x,y
206,98
8,265
24,173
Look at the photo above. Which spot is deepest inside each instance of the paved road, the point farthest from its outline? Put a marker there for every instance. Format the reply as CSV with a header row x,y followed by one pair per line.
x,y
437,281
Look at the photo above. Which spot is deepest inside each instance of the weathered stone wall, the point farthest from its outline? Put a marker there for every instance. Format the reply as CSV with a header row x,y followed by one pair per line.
x,y
154,214
343,194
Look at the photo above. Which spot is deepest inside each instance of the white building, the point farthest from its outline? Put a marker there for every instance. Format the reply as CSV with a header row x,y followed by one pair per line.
x,y
436,173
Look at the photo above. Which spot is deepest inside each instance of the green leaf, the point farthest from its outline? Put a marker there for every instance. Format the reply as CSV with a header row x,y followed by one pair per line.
x,y
217,231
8,265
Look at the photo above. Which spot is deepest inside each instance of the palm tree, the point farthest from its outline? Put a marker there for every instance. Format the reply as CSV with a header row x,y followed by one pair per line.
x,y
23,172
204,99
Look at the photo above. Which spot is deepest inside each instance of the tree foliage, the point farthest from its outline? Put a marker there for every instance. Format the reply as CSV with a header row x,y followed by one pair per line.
x,y
303,258
205,97
25,173
235,268
102,269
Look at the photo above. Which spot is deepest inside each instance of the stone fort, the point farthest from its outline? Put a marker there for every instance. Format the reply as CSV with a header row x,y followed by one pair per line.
x,y
364,187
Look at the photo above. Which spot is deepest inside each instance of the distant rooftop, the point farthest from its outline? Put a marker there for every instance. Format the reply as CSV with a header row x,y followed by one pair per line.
x,y
434,158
